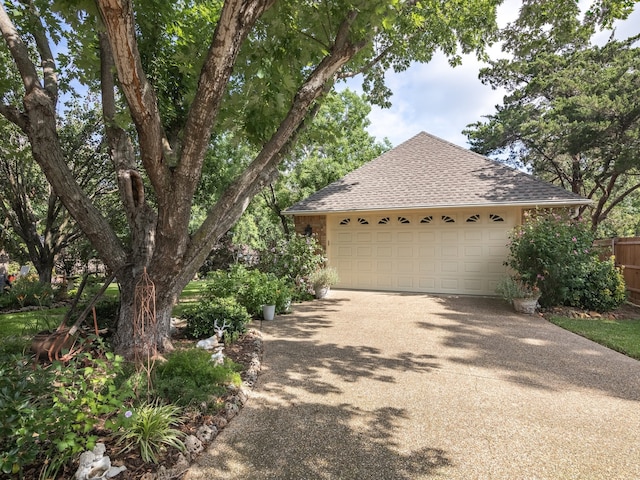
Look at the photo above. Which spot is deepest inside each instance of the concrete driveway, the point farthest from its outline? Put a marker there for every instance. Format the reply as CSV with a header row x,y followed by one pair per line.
x,y
367,385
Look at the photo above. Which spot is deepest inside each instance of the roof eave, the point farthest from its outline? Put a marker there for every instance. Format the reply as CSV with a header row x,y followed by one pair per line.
x,y
531,204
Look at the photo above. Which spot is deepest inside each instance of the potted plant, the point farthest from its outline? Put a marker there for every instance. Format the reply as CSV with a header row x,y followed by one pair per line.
x,y
322,280
521,294
268,294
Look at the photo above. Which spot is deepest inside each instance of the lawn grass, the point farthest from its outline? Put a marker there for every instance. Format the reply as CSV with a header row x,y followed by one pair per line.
x,y
26,323
620,335
30,322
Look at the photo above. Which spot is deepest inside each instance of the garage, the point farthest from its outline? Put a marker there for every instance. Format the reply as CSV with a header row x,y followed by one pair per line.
x,y
426,216
431,251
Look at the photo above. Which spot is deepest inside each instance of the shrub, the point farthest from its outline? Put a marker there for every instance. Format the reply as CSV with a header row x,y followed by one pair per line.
x,y
250,288
294,260
201,318
49,413
604,287
554,252
189,377
28,291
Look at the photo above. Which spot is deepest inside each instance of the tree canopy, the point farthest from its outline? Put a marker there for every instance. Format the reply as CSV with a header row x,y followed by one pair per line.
x,y
175,76
570,115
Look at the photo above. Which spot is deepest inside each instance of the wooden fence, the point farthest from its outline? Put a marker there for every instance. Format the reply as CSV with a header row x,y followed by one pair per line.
x,y
627,253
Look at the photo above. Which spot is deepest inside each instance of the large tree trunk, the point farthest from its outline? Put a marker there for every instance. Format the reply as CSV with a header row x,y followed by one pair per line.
x,y
144,322
159,238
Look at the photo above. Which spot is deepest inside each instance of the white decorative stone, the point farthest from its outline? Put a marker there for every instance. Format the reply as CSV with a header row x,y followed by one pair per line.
x,y
95,465
206,433
193,445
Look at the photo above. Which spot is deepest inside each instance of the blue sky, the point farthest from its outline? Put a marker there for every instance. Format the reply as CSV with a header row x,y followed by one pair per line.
x,y
442,100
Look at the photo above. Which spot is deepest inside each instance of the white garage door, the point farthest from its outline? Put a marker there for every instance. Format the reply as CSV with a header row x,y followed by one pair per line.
x,y
436,252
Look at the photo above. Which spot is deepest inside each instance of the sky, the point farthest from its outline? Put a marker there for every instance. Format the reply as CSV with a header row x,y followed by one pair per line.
x,y
442,100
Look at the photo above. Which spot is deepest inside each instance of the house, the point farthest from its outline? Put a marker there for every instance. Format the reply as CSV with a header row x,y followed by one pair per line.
x,y
426,216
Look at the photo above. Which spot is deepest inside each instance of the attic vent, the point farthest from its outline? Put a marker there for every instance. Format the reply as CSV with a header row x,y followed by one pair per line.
x,y
363,221
495,218
448,219
427,219
473,218
384,221
345,221
403,220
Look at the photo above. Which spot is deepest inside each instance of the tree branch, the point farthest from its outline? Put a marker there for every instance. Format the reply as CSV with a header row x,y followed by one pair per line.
x,y
15,116
236,198
19,52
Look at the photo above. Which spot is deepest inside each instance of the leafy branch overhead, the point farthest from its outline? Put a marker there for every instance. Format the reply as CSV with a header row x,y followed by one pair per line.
x,y
570,113
175,77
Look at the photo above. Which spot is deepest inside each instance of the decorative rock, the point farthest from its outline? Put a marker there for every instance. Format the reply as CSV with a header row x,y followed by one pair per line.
x,y
94,465
206,433
231,410
181,464
220,422
242,397
193,445
163,473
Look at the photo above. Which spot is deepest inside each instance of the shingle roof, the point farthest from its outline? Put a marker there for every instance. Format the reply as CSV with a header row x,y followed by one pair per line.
x,y
427,171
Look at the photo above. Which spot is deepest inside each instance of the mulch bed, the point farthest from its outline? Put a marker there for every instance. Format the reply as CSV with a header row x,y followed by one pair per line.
x,y
627,311
243,352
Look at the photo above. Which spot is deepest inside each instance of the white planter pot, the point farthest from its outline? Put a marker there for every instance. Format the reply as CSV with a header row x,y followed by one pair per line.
x,y
525,305
268,312
321,292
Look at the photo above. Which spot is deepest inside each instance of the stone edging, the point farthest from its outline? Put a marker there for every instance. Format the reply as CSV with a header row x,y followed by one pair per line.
x,y
206,434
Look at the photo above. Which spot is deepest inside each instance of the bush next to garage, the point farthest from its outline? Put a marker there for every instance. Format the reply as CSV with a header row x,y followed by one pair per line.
x,y
202,318
294,259
251,288
555,252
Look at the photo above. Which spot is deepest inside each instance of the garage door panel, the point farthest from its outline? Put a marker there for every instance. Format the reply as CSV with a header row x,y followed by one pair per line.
x,y
497,235
437,257
405,237
450,284
404,267
450,251
426,267
384,268
473,267
473,235
427,284
449,237
473,285
384,237
426,237
474,251
364,237
364,266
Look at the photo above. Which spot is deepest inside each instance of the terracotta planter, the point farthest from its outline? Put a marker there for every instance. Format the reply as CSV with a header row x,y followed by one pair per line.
x,y
525,305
